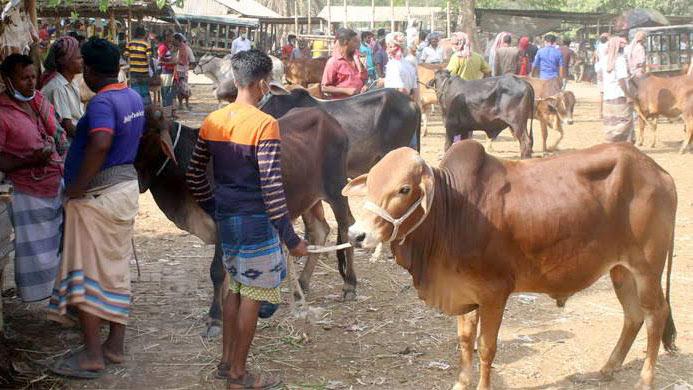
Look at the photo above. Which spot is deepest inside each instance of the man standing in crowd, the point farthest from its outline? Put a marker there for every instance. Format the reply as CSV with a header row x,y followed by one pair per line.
x,y
249,206
165,55
29,157
242,43
102,191
506,57
180,78
548,64
380,53
366,49
288,49
618,112
568,58
138,52
344,75
600,54
63,63
635,55
465,63
432,53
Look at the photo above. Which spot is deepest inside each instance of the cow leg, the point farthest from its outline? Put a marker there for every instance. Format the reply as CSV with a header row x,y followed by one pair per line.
x,y
345,257
544,136
633,317
689,132
424,118
466,334
490,317
317,230
641,130
559,129
489,143
654,133
218,275
656,311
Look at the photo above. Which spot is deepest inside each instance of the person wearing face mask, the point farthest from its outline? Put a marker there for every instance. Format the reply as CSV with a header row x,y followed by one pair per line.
x,y
618,111
59,86
344,74
249,207
242,43
34,167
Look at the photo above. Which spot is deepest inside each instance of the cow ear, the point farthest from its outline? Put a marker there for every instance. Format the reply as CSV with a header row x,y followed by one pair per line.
x,y
356,187
427,186
167,146
277,89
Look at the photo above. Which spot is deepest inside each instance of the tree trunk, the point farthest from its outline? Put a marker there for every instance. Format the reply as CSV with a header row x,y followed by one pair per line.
x,y
467,21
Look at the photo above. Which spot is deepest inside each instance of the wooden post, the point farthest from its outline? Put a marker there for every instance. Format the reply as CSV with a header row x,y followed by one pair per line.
x,y
129,31
372,15
433,19
310,30
329,17
296,17
346,17
114,29
447,15
392,15
408,12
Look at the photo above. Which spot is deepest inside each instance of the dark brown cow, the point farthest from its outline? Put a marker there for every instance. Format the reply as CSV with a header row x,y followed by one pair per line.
x,y
554,112
662,96
304,71
471,233
314,166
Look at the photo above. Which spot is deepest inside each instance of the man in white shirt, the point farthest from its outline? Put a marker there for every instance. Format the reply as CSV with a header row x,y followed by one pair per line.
x,y
599,55
242,43
412,33
618,112
432,54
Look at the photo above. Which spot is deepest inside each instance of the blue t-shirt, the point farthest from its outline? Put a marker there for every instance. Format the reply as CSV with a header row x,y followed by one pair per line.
x,y
368,52
548,60
118,110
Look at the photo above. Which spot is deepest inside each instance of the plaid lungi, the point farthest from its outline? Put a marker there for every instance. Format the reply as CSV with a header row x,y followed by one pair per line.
x,y
618,120
252,252
37,226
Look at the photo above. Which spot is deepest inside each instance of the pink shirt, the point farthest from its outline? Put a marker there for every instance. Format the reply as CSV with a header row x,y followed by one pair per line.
x,y
341,73
20,135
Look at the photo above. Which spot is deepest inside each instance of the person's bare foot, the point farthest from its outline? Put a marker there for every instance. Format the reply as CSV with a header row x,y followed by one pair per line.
x,y
112,353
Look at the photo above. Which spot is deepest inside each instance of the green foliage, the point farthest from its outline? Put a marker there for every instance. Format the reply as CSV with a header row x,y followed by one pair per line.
x,y
103,4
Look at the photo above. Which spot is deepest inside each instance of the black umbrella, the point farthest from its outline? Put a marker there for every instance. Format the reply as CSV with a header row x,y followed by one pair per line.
x,y
639,18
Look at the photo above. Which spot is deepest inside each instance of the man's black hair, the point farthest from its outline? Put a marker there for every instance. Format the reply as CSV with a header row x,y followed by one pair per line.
x,y
291,36
13,62
507,39
365,35
101,56
550,38
139,32
250,66
344,35
381,33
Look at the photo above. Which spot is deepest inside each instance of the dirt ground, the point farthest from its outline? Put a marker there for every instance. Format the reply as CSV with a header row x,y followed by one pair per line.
x,y
387,338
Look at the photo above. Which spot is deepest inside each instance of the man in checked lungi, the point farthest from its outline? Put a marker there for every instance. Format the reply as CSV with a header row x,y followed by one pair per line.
x,y
249,206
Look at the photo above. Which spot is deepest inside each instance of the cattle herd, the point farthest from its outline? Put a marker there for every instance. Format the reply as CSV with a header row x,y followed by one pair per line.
x,y
470,231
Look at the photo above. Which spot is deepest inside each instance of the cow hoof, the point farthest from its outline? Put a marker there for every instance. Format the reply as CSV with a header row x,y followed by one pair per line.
x,y
348,295
642,386
459,386
213,330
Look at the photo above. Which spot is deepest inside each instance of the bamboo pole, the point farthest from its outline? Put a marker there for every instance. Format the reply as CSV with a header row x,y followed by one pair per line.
x,y
447,22
433,20
392,15
408,13
372,15
129,24
329,17
346,17
296,17
310,30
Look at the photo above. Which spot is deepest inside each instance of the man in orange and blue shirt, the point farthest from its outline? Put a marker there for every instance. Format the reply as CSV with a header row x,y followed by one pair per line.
x,y
249,206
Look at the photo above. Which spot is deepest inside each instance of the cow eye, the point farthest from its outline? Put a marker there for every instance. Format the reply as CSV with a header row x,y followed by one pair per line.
x,y
405,190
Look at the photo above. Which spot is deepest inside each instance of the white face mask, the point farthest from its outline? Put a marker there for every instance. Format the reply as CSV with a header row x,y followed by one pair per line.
x,y
265,97
243,36
18,95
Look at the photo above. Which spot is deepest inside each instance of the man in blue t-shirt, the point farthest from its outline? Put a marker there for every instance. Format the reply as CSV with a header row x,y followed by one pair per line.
x,y
548,62
102,188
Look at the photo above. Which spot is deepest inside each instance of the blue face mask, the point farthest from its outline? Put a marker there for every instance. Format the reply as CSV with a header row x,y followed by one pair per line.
x,y
18,95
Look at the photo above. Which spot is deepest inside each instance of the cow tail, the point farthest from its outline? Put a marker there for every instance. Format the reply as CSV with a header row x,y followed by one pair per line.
x,y
531,118
418,128
669,337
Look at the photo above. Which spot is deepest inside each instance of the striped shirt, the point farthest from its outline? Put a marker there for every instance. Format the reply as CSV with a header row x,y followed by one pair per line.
x,y
138,53
245,147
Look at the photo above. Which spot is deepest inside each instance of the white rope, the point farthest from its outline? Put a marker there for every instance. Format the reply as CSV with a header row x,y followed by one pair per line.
x,y
175,143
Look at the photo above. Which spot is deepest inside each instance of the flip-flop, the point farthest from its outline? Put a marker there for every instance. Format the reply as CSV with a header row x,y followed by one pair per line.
x,y
251,381
69,367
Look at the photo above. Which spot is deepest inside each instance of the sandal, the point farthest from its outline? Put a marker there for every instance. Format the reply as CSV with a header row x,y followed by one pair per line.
x,y
69,367
222,371
251,381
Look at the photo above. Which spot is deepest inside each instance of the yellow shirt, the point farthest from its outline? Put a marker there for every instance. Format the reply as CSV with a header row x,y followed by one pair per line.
x,y
472,68
318,49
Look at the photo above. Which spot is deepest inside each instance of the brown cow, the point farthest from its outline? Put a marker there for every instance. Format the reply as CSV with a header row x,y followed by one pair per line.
x,y
471,233
662,96
314,90
427,96
553,112
543,88
304,71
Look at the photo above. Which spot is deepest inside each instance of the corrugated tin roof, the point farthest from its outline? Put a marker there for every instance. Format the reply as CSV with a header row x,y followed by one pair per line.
x,y
226,19
382,14
202,8
248,8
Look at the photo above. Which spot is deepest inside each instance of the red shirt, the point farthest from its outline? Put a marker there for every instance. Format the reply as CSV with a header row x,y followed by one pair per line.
x,y
20,135
286,51
341,73
165,55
